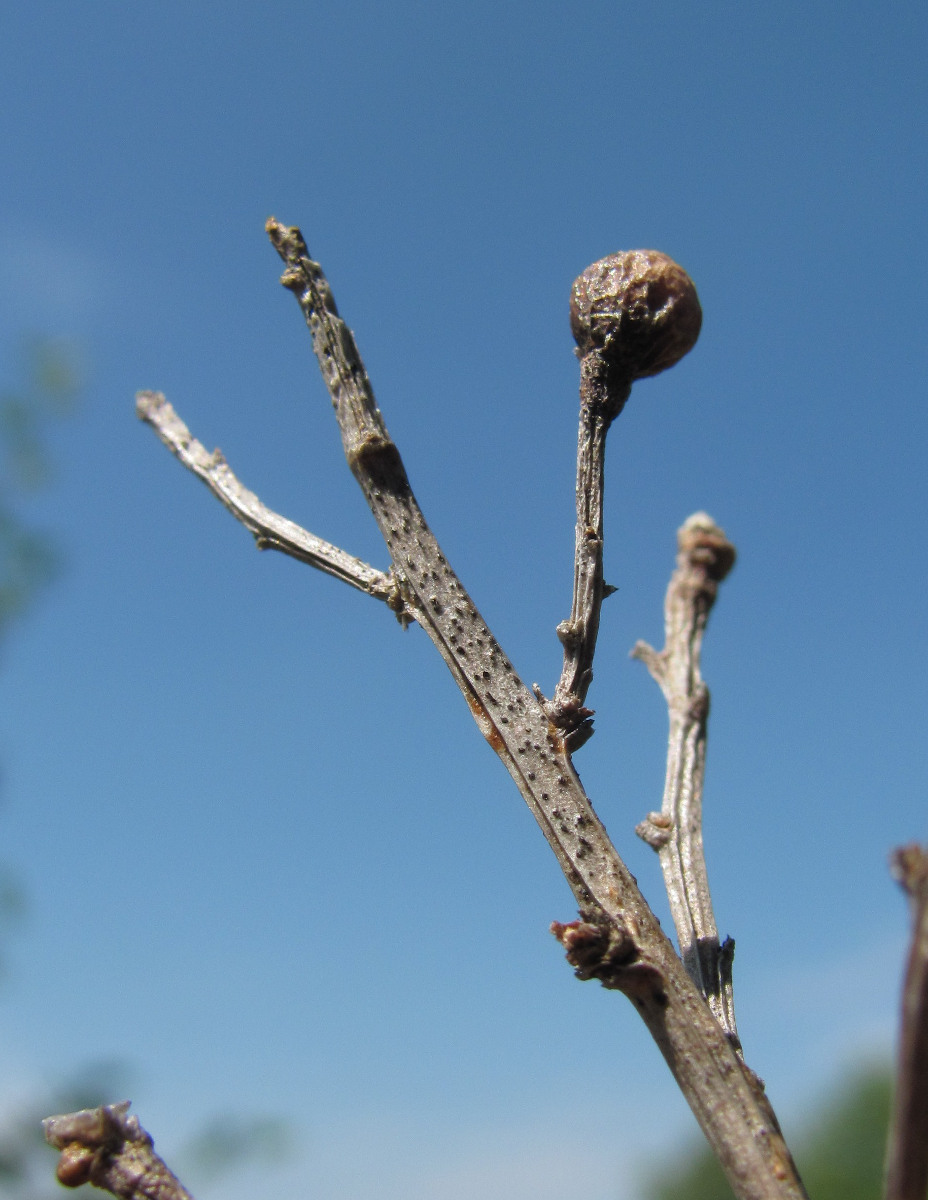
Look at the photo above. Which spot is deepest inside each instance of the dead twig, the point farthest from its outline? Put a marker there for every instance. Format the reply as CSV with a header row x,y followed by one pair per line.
x,y
705,557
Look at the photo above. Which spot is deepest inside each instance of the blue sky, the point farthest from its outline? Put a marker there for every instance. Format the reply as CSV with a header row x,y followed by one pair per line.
x,y
272,866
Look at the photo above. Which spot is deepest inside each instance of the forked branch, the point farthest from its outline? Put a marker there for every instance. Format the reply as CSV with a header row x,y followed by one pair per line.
x,y
617,940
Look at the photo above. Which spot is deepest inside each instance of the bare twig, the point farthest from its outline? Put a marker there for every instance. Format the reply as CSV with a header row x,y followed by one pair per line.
x,y
601,400
705,558
108,1148
907,1156
632,314
618,939
271,531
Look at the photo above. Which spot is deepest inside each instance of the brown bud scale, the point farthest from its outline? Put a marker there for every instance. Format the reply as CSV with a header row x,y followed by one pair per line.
x,y
75,1165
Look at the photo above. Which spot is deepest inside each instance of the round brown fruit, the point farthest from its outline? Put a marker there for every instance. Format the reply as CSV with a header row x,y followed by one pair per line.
x,y
639,308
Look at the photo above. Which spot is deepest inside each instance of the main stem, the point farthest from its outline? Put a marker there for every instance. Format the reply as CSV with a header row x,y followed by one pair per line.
x,y
634,954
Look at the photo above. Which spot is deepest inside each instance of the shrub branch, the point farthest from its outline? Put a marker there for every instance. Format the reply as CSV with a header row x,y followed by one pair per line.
x,y
617,938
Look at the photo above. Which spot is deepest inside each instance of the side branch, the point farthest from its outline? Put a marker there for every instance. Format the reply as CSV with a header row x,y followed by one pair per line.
x,y
907,1156
108,1148
270,531
603,393
632,314
705,558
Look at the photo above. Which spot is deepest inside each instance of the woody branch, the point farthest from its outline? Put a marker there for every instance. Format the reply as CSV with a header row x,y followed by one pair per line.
x,y
705,558
636,330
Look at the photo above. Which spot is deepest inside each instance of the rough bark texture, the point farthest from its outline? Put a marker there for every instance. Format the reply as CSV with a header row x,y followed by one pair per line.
x,y
617,939
602,397
635,956
705,558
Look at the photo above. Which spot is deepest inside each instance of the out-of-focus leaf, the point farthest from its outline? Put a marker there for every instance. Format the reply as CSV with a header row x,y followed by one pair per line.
x,y
28,560
227,1143
57,370
840,1156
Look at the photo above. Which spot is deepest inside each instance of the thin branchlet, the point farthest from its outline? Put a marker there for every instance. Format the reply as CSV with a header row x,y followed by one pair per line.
x,y
270,530
632,314
705,557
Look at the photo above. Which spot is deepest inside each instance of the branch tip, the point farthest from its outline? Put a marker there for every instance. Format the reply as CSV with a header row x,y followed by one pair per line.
x,y
148,403
107,1147
909,867
705,546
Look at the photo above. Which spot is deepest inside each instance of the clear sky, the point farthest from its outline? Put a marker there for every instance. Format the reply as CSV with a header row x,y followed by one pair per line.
x,y
272,866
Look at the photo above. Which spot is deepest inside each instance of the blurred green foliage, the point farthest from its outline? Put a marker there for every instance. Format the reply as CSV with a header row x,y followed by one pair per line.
x,y
29,408
229,1142
839,1155
26,1162
46,392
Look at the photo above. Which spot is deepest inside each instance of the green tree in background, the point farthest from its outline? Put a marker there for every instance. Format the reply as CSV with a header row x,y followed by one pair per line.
x,y
27,556
839,1158
29,409
28,560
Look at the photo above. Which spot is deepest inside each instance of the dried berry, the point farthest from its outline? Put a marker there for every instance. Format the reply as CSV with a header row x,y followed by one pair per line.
x,y
639,309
